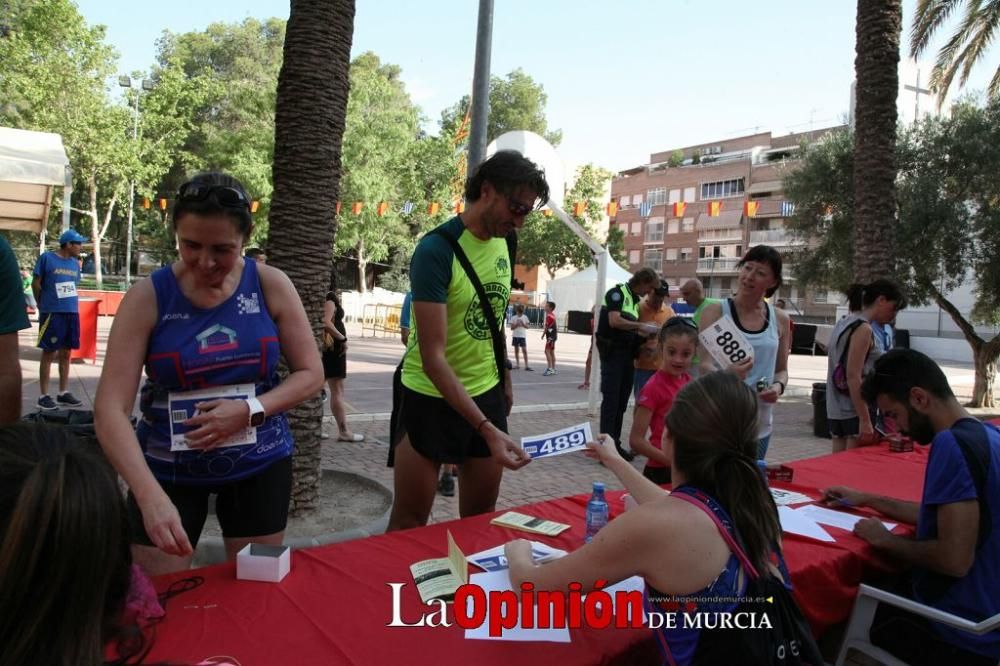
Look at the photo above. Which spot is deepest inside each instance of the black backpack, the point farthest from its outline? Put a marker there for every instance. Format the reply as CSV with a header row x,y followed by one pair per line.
x,y
789,641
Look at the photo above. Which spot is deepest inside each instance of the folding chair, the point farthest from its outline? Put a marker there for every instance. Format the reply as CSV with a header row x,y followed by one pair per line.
x,y
857,635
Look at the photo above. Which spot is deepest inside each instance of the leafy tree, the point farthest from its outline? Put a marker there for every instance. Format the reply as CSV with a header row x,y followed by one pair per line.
x,y
547,241
516,103
55,69
948,234
616,245
966,46
382,128
876,69
309,128
235,66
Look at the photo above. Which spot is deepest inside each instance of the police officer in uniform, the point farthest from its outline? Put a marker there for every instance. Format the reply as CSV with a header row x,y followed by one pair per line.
x,y
617,337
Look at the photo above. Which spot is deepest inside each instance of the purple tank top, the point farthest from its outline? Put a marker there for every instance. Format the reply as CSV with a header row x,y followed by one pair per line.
x,y
192,348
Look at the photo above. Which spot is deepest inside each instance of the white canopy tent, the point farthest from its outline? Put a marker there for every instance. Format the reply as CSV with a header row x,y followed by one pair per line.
x,y
577,291
31,164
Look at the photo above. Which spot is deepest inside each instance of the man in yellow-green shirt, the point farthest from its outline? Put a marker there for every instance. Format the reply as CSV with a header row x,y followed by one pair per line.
x,y
454,404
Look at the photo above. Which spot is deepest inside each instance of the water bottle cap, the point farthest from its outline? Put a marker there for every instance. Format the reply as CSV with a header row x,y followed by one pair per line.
x,y
599,485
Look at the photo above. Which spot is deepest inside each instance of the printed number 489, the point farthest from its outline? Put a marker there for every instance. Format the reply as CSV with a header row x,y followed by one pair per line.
x,y
562,442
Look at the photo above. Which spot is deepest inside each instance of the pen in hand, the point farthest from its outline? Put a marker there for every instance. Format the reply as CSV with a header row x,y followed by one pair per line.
x,y
839,500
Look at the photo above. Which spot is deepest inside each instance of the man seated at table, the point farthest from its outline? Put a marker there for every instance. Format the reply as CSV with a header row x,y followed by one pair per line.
x,y
955,557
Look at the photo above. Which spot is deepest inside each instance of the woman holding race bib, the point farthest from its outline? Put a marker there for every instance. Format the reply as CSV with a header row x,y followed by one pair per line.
x,y
764,327
216,323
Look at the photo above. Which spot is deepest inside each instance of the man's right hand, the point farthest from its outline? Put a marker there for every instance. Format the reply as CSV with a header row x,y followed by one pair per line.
x,y
505,451
839,496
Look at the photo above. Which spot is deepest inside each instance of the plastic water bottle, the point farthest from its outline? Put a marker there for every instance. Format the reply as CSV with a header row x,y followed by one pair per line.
x,y
762,466
597,511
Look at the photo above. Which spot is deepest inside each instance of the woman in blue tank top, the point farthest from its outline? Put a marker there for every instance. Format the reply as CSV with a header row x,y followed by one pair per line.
x,y
208,330
711,437
765,328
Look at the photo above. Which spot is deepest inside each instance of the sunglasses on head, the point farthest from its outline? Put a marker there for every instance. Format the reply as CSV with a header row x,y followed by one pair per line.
x,y
227,197
680,321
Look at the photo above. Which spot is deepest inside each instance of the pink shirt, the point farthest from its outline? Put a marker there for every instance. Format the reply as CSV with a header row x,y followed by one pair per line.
x,y
658,396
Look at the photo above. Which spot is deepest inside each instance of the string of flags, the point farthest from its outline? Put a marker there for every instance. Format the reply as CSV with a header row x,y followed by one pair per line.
x,y
579,208
713,208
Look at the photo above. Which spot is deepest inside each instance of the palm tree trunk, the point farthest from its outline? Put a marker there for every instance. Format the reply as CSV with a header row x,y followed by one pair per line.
x,y
310,114
879,23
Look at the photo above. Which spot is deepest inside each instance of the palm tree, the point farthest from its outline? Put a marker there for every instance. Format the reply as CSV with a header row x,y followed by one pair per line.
x,y
876,67
964,48
310,114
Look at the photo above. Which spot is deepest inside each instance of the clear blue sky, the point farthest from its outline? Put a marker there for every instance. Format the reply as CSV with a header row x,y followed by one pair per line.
x,y
624,79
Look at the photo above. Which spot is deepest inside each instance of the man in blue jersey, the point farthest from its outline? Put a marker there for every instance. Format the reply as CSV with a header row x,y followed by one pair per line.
x,y
56,276
955,557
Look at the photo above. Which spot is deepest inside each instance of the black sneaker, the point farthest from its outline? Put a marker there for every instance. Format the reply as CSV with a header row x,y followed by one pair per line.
x,y
68,399
627,455
46,402
446,486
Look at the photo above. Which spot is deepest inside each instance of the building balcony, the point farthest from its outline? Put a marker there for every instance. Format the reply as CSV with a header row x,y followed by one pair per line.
x,y
718,236
718,264
773,237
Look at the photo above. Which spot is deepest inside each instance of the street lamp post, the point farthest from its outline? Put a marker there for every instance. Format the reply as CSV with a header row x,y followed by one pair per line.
x,y
126,82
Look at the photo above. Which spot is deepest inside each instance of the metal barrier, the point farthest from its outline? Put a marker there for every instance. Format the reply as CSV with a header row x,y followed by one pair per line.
x,y
378,318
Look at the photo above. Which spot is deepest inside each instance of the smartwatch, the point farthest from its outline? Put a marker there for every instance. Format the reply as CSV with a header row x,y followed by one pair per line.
x,y
257,414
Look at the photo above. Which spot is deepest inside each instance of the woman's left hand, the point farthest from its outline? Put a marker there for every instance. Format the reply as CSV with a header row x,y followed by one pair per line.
x,y
216,421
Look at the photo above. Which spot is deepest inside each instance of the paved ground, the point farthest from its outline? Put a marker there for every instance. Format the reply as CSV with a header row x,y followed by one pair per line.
x,y
542,404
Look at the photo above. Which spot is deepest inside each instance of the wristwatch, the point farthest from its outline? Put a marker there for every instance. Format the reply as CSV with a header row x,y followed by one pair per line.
x,y
257,413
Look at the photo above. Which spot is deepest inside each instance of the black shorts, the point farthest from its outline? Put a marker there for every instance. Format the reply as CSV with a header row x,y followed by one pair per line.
x,y
255,506
844,427
334,363
439,433
658,475
519,342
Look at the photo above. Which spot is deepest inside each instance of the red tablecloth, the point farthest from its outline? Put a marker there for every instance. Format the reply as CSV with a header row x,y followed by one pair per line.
x,y
334,606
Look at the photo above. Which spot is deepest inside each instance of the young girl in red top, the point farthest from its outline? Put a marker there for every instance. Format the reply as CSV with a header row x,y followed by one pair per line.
x,y
678,340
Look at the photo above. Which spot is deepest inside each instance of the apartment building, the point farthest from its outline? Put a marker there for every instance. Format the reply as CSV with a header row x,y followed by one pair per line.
x,y
665,211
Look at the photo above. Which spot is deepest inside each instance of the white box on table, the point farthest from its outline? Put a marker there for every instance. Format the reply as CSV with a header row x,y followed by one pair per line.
x,y
264,563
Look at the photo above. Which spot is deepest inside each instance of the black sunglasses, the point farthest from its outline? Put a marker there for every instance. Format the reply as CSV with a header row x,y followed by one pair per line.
x,y
680,321
518,208
227,197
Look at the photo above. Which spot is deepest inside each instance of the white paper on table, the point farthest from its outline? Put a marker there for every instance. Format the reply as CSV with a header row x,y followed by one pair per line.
x,y
841,519
794,522
493,559
633,584
567,440
788,497
726,343
500,581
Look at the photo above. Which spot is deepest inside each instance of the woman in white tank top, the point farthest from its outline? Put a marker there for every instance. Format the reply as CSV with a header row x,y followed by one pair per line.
x,y
764,326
